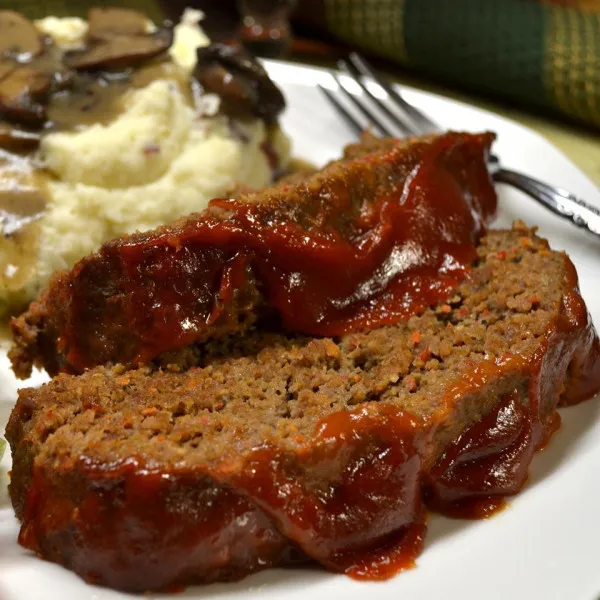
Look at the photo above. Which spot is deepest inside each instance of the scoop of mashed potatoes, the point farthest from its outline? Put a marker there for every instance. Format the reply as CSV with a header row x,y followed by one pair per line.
x,y
158,160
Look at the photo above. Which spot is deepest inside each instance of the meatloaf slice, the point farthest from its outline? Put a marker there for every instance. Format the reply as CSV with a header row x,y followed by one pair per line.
x,y
283,447
300,249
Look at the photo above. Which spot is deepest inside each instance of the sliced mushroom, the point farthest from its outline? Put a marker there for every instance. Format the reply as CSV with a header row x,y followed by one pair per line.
x,y
240,81
120,51
108,21
21,95
18,36
18,140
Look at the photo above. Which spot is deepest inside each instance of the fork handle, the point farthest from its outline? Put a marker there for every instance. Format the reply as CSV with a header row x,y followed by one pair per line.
x,y
559,201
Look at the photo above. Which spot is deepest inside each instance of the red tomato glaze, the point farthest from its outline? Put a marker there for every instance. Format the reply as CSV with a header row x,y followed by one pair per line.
x,y
392,234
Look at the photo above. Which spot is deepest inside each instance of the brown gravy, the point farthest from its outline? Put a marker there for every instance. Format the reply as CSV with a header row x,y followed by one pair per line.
x,y
22,203
98,99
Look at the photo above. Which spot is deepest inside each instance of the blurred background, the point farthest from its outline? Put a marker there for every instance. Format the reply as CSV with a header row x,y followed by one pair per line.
x,y
536,61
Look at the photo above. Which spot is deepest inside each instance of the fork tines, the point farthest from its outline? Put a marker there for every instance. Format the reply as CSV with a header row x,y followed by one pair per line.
x,y
392,117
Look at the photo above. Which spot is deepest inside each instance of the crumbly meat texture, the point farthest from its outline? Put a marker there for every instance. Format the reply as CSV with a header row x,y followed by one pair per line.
x,y
89,311
92,446
505,305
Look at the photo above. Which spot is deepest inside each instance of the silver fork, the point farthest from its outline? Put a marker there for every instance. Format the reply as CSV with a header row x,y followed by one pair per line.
x,y
408,120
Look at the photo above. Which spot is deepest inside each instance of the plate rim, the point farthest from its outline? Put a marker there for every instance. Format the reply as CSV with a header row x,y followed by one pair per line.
x,y
275,66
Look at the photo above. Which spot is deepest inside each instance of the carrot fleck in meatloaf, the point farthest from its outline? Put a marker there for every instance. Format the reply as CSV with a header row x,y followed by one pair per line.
x,y
278,448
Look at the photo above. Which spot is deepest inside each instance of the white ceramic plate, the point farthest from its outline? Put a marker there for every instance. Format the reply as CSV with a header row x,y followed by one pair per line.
x,y
545,545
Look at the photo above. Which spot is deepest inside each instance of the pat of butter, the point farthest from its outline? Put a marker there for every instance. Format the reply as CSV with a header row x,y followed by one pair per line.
x,y
188,36
68,32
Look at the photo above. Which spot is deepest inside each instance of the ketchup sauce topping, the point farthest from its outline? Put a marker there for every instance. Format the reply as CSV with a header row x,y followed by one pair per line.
x,y
357,509
391,235
490,460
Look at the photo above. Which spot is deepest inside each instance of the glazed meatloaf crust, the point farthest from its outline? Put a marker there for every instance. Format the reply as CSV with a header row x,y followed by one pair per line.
x,y
281,448
299,249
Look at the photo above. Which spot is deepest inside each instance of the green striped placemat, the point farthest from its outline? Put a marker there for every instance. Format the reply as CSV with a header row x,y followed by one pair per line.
x,y
541,54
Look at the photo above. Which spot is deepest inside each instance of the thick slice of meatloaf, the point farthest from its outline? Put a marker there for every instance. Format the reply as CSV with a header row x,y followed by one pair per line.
x,y
149,293
281,447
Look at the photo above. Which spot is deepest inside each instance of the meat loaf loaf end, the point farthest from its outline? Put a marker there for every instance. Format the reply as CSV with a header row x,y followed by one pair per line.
x,y
421,203
282,448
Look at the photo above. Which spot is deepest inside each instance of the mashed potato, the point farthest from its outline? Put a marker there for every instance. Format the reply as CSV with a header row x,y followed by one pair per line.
x,y
158,160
